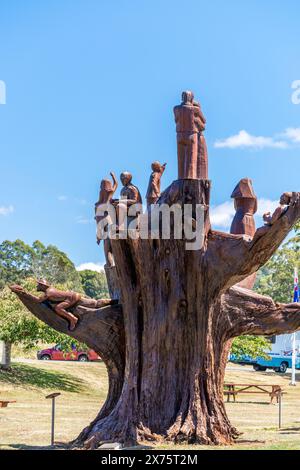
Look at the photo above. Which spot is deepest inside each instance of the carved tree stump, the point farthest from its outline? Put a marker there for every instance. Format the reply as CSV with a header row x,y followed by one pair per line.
x,y
180,314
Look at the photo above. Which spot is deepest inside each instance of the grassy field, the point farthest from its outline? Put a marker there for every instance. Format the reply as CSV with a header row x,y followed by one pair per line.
x,y
26,424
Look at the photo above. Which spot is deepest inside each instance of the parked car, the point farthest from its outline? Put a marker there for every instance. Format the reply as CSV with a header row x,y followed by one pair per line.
x,y
57,354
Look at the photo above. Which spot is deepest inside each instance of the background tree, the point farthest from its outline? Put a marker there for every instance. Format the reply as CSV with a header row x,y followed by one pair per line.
x,y
19,261
16,262
94,284
251,346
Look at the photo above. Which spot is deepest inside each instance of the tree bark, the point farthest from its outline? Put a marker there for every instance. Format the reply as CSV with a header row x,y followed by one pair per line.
x,y
180,314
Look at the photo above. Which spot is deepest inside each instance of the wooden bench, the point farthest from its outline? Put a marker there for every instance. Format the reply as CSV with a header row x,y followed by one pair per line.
x,y
232,390
4,403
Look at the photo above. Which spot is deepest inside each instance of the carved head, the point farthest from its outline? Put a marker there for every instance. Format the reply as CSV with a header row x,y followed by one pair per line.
x,y
156,166
106,185
126,178
42,285
187,97
285,199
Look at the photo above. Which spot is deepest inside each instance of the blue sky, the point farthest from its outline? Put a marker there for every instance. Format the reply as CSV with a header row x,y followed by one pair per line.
x,y
90,87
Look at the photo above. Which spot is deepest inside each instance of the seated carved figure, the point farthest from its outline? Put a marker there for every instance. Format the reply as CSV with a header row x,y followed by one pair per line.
x,y
129,196
62,300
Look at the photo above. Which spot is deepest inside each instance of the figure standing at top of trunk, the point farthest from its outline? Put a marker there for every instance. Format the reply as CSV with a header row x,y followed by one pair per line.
x,y
245,204
153,191
191,145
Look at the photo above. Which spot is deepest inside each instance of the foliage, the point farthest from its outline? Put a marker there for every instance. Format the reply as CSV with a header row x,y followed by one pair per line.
x,y
19,261
276,277
252,346
94,284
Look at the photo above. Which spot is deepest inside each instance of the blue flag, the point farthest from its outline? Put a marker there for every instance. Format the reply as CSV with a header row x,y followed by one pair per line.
x,y
296,287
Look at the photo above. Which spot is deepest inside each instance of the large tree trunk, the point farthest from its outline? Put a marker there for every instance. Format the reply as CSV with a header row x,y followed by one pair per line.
x,y
180,314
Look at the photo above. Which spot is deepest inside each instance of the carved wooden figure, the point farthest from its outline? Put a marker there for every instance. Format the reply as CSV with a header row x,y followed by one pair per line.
x,y
61,301
191,145
107,190
285,200
153,191
129,196
245,203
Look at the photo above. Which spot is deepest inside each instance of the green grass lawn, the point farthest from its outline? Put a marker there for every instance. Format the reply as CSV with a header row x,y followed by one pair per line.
x,y
26,424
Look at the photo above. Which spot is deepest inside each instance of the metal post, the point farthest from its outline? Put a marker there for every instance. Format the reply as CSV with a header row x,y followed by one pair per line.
x,y
293,382
52,421
280,410
52,397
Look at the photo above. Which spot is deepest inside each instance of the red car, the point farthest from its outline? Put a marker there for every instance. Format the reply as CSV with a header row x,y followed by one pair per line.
x,y
57,354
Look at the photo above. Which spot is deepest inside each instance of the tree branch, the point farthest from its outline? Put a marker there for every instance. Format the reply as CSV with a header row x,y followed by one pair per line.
x,y
241,257
101,330
246,312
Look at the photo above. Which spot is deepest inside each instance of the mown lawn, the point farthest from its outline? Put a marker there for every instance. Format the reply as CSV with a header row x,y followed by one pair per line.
x,y
26,424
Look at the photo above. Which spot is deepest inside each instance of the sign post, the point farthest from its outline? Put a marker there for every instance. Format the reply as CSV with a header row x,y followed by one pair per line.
x,y
295,299
52,396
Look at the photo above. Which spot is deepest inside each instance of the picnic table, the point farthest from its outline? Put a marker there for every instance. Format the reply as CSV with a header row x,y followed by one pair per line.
x,y
233,389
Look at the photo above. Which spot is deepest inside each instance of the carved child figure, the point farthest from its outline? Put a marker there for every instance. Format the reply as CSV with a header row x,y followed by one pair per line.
x,y
153,191
62,300
107,190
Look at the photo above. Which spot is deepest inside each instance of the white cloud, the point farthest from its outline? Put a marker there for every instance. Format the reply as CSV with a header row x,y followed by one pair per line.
x,y
292,134
62,198
266,205
99,267
221,216
243,139
6,210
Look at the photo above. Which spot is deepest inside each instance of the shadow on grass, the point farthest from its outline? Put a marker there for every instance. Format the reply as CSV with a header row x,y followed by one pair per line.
x,y
26,375
29,447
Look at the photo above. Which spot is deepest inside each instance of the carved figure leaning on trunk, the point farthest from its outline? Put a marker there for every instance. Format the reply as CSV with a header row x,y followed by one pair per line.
x,y
107,190
286,199
153,191
60,301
